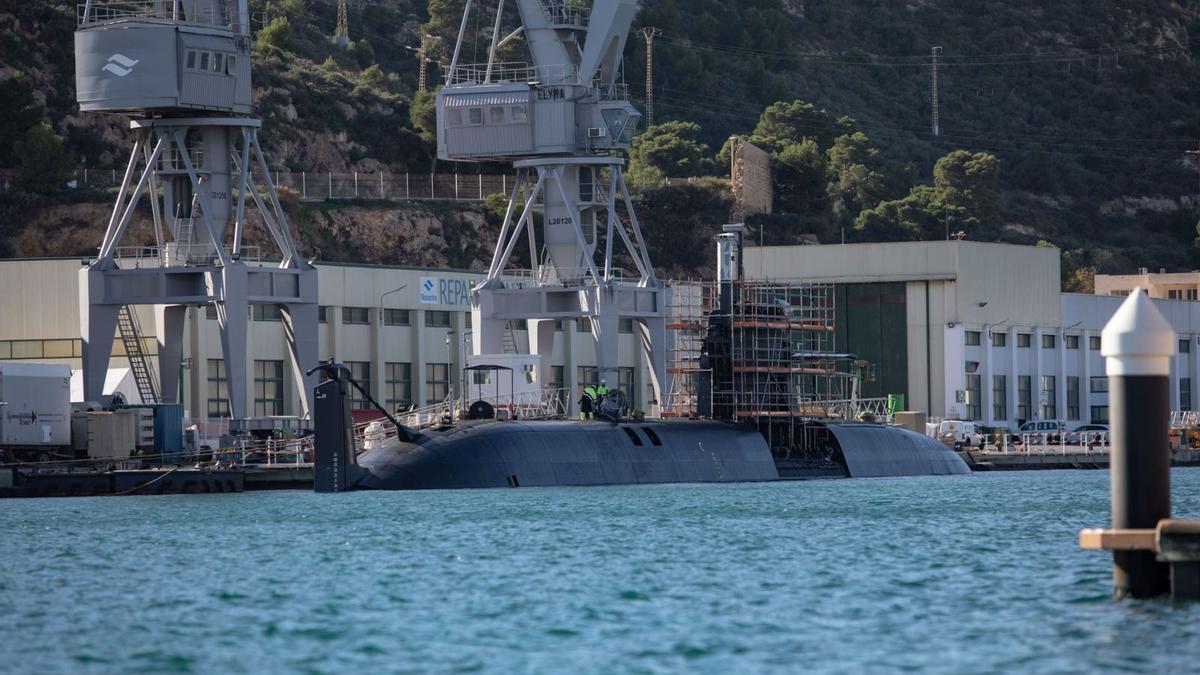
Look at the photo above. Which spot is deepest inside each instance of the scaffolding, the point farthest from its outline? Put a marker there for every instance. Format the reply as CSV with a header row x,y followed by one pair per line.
x,y
772,356
690,305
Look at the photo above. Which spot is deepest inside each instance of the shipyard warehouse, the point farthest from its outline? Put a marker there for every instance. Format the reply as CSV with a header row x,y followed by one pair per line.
x,y
959,329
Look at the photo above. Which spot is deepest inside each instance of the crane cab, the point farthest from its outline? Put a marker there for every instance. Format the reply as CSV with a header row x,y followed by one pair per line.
x,y
137,57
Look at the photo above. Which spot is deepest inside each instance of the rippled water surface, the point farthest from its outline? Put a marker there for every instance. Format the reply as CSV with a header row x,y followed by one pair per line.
x,y
966,574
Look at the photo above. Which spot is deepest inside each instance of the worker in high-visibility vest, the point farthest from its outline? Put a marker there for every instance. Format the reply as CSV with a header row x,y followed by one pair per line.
x,y
587,403
601,392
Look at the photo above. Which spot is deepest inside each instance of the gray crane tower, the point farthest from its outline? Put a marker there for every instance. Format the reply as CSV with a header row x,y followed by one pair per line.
x,y
558,118
181,70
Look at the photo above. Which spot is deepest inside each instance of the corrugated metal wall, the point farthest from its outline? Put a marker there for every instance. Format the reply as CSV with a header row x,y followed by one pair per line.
x,y
872,323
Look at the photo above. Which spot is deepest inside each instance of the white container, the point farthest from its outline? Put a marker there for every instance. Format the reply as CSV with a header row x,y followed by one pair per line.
x,y
112,435
35,405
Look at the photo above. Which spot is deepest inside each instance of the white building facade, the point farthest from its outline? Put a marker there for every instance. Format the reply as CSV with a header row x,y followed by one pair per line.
x,y
988,336
404,332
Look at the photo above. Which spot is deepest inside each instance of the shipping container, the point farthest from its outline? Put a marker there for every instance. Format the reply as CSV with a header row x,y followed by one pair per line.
x,y
35,405
112,435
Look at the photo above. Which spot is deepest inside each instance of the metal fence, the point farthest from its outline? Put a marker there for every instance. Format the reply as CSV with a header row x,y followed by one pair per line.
x,y
325,185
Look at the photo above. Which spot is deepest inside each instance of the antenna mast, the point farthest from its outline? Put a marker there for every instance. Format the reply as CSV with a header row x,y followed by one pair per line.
x,y
937,52
341,34
648,34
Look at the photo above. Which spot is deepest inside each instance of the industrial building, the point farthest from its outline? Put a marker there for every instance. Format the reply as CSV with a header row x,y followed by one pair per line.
x,y
402,331
961,329
975,330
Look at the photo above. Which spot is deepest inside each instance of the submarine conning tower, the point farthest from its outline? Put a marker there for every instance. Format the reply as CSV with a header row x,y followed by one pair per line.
x,y
180,70
558,118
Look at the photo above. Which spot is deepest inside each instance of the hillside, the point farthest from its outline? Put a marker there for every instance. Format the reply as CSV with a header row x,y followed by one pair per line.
x,y
1087,108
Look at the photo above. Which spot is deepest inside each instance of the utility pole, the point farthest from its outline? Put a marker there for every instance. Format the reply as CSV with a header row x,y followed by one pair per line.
x,y
1195,154
422,57
937,51
648,34
341,34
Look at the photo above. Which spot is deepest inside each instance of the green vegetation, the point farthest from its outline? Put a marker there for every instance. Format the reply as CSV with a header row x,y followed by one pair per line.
x,y
1062,122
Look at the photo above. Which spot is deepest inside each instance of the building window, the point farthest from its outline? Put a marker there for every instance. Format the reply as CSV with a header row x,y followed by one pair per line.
x,y
1072,398
1098,385
210,312
396,317
203,61
454,117
1119,294
266,313
1023,340
323,314
398,378
1099,414
218,389
1049,400
1048,341
625,326
1071,341
361,372
497,114
191,60
999,339
974,392
1185,346
268,388
356,315
1175,294
625,384
583,325
437,319
467,320
585,376
519,113
1191,294
972,338
1094,343
557,373
1024,397
517,324
999,397
474,116
1185,393
437,382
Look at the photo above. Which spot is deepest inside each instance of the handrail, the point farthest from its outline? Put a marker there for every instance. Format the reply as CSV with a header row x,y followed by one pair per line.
x,y
99,12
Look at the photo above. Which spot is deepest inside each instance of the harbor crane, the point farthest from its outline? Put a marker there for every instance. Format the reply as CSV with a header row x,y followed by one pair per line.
x,y
559,118
180,70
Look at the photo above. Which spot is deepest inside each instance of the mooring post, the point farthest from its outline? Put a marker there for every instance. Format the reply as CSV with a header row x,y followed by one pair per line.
x,y
1137,345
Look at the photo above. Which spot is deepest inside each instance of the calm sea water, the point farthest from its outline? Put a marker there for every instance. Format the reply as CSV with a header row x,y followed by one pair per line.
x,y
967,574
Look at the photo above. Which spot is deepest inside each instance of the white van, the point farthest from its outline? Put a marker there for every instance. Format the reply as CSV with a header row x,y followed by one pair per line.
x,y
1043,431
958,433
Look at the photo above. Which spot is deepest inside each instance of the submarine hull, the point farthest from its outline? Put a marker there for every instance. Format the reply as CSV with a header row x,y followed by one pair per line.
x,y
490,454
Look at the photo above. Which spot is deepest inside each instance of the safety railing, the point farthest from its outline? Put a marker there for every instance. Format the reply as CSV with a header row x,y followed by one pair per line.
x,y
326,185
515,71
139,257
182,11
565,14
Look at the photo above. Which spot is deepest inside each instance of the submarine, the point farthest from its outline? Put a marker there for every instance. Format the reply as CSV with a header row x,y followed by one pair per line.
x,y
757,417
762,396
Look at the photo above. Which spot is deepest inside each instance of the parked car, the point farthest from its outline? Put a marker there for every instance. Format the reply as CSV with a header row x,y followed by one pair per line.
x,y
1041,431
959,433
1091,434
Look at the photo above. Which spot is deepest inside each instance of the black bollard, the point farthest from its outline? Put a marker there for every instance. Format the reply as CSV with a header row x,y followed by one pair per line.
x,y
1138,344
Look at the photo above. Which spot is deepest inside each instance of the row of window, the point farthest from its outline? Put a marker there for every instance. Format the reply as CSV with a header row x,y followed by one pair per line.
x,y
354,316
495,114
1024,340
1048,398
210,62
62,349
